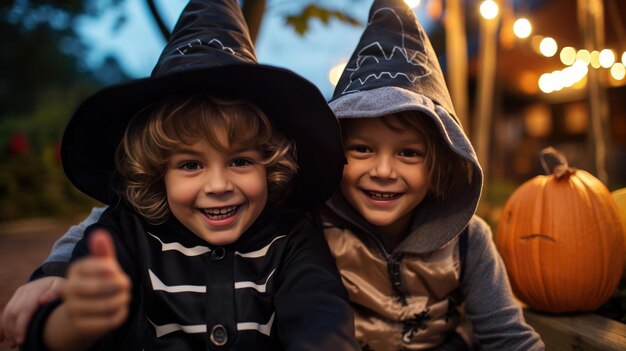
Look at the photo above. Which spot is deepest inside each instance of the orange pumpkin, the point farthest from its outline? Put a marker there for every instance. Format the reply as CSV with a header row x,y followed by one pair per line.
x,y
561,239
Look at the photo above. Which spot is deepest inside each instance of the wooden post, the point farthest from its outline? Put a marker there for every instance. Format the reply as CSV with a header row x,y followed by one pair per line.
x,y
456,57
486,82
591,25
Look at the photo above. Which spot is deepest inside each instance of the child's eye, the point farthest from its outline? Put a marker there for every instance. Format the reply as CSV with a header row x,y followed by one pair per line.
x,y
410,153
190,166
240,162
360,148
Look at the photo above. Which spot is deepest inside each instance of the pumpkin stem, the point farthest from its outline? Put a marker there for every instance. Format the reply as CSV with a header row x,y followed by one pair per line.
x,y
554,162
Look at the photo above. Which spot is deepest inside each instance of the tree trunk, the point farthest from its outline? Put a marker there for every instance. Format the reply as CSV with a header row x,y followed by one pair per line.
x,y
456,57
253,11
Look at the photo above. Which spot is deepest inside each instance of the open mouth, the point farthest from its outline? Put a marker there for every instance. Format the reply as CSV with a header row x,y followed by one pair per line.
x,y
216,214
382,196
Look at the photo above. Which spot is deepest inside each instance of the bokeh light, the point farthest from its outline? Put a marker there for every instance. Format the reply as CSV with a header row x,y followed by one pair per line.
x,y
522,28
618,71
607,58
489,9
413,3
594,60
583,55
548,47
335,73
568,55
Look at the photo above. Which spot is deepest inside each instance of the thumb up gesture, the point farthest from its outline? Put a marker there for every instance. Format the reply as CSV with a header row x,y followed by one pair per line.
x,y
97,292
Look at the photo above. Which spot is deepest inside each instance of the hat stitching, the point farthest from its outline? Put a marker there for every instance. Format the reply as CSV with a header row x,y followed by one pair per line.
x,y
197,42
413,60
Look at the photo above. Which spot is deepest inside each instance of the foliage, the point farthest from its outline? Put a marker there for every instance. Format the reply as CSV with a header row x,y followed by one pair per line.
x,y
34,185
43,77
300,21
41,49
32,182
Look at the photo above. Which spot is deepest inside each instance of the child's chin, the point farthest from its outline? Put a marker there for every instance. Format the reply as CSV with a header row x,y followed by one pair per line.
x,y
378,221
220,239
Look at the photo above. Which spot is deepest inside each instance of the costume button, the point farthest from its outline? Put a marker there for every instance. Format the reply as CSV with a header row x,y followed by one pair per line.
x,y
218,253
219,335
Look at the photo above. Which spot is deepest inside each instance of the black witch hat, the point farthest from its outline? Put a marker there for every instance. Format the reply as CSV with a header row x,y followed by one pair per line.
x,y
209,51
393,52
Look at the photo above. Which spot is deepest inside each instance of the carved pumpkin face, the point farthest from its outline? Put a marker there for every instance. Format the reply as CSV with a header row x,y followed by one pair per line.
x,y
561,241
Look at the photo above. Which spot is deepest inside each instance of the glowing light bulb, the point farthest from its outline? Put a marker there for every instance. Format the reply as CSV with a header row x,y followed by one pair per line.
x,y
489,9
584,55
595,59
413,3
618,71
580,69
607,58
568,55
522,28
545,83
335,73
548,47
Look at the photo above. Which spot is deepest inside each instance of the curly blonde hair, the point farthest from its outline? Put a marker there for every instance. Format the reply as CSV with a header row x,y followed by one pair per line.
x,y
150,137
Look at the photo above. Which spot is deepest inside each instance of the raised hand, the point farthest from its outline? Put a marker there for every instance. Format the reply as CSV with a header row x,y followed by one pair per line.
x,y
97,292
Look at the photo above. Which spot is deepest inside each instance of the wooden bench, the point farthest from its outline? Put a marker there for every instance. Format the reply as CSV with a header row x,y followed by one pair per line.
x,y
578,332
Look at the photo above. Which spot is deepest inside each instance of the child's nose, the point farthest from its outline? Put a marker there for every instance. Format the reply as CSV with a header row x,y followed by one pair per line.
x,y
217,182
383,168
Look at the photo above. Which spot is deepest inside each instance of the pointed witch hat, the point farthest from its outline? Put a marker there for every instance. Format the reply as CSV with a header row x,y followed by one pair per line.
x,y
209,51
393,52
393,69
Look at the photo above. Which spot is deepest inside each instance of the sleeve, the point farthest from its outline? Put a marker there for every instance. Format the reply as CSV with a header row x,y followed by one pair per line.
x,y
61,253
313,312
129,332
497,320
62,248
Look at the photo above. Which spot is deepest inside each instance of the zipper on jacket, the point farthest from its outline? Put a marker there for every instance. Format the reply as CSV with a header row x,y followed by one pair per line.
x,y
393,268
395,274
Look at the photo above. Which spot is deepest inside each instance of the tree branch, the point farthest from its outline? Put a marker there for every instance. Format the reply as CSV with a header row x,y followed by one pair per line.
x,y
157,18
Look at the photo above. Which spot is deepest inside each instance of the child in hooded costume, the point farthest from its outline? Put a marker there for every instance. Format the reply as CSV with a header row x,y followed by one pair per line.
x,y
412,274
402,228
203,255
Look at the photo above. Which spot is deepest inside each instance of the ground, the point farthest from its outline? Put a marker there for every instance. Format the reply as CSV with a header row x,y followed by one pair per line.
x,y
24,245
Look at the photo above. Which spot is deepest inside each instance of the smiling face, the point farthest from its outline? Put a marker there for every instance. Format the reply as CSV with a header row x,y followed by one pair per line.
x,y
214,164
217,194
386,176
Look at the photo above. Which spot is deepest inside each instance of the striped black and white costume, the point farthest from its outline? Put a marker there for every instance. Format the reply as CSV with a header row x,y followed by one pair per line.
x,y
275,288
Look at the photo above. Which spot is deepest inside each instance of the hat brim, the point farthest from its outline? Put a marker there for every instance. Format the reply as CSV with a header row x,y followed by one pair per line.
x,y
291,102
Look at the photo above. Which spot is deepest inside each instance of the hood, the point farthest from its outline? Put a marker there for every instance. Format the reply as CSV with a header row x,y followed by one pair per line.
x,y
394,69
